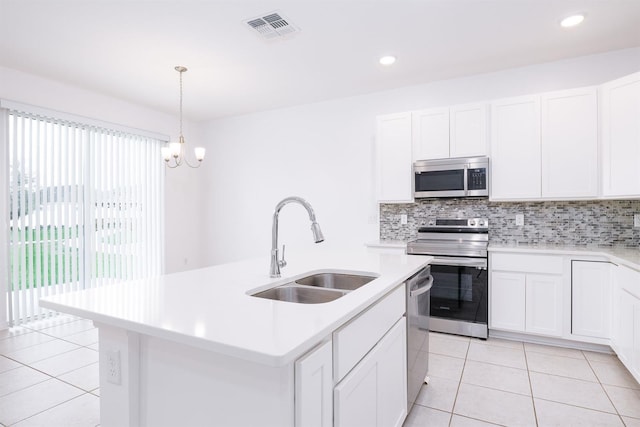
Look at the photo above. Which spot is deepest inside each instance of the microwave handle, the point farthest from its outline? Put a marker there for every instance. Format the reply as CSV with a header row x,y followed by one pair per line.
x,y
466,186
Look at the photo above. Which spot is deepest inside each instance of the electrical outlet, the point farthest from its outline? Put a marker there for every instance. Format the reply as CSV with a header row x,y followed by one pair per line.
x,y
636,220
113,366
403,219
519,219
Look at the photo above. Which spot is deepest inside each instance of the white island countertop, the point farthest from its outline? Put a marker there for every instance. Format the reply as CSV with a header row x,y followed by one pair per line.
x,y
212,309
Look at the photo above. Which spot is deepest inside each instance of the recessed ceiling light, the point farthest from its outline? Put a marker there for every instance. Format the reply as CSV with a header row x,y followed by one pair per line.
x,y
387,60
572,21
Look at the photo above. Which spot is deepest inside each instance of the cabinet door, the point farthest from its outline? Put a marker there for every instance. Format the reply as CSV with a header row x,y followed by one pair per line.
x,y
431,134
621,137
570,143
625,327
515,148
544,304
468,130
507,298
375,391
393,158
314,388
590,298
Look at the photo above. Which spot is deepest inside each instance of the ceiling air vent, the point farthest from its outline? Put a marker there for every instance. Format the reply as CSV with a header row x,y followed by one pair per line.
x,y
272,26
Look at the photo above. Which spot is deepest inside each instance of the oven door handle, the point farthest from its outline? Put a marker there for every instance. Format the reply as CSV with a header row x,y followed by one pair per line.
x,y
461,262
422,289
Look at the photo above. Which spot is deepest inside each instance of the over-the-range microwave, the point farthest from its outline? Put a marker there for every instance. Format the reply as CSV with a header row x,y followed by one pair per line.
x,y
458,177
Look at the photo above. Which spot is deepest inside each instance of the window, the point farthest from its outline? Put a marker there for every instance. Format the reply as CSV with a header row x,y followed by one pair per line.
x,y
85,208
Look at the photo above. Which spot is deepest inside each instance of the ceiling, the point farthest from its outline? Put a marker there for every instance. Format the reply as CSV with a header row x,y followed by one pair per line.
x,y
128,48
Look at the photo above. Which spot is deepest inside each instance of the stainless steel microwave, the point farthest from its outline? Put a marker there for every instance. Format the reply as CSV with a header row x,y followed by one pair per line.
x,y
459,177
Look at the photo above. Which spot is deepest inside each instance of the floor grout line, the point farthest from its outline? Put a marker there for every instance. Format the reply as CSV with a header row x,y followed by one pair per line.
x,y
455,399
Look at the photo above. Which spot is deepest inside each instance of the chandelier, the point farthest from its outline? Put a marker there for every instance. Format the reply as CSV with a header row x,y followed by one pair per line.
x,y
174,154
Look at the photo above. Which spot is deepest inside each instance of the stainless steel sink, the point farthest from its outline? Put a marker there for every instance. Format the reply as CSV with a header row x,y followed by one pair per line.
x,y
300,294
347,282
317,288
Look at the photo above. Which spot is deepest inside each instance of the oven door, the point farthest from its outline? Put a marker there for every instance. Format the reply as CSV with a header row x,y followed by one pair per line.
x,y
460,289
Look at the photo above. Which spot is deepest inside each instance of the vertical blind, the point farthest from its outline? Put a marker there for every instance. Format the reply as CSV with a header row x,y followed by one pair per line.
x,y
85,209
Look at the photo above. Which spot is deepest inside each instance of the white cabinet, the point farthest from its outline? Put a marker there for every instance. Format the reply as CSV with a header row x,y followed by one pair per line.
x,y
515,148
570,144
626,318
374,393
591,299
543,307
508,301
457,131
526,293
314,388
430,134
545,146
393,159
468,130
621,137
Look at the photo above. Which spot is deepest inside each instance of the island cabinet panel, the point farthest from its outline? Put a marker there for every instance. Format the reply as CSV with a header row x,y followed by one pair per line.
x,y
621,137
591,298
314,388
181,385
374,393
356,338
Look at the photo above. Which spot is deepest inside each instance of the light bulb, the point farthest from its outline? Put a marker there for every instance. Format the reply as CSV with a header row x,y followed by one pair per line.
x,y
572,21
387,60
199,152
166,153
175,149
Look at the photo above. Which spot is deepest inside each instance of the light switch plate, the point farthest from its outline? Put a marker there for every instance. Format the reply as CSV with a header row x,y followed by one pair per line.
x,y
519,219
636,221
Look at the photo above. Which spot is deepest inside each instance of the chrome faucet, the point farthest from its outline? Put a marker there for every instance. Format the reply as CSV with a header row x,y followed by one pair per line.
x,y
277,262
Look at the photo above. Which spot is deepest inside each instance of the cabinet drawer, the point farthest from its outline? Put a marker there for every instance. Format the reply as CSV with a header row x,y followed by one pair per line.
x,y
352,341
546,264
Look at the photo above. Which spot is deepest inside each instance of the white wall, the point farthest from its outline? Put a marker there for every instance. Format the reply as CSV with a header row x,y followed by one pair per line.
x,y
182,195
324,153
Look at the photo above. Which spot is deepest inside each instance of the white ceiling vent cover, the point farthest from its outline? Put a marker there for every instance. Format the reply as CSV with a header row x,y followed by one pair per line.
x,y
272,26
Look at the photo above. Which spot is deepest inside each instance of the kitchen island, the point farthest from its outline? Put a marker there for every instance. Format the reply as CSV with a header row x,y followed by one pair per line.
x,y
196,348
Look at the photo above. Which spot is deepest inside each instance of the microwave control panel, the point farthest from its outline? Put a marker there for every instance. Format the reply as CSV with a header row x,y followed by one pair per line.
x,y
477,179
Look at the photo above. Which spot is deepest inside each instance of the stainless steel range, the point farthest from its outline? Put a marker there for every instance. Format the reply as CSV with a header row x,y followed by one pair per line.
x,y
459,296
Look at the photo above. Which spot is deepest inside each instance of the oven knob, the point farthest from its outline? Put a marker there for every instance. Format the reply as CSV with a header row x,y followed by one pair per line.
x,y
432,222
472,223
481,223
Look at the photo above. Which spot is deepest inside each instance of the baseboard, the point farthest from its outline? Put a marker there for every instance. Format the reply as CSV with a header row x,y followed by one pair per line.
x,y
557,342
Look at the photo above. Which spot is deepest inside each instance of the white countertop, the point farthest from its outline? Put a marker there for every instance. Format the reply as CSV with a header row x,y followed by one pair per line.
x,y
394,244
210,308
618,255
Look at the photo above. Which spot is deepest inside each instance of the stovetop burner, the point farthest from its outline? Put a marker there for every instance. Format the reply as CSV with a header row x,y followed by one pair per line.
x,y
452,237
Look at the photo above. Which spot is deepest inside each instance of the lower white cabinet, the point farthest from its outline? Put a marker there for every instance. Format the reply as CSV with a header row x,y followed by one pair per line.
x,y
591,299
626,318
314,388
374,393
529,296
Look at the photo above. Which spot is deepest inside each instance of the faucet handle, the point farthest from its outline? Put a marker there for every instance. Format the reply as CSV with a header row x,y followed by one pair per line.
x,y
281,261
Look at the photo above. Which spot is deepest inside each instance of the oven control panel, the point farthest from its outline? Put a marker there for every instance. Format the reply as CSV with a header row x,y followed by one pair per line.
x,y
459,222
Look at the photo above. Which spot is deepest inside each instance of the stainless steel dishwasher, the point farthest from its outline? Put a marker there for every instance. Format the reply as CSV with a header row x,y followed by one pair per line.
x,y
418,303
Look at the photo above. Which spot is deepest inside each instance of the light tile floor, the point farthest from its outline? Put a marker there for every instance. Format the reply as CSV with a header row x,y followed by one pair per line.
x,y
49,374
49,377
510,383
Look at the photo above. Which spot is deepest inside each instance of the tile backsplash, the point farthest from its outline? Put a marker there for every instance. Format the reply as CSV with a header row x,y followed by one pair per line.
x,y
601,222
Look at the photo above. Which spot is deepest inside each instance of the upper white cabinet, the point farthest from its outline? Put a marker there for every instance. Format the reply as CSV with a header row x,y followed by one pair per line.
x,y
621,137
393,159
458,131
515,148
430,134
545,146
570,144
468,130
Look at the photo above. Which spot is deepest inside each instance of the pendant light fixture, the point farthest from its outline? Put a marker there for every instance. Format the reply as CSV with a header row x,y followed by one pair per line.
x,y
174,154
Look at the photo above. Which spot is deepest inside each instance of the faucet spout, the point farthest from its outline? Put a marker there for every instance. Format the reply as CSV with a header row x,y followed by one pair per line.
x,y
276,262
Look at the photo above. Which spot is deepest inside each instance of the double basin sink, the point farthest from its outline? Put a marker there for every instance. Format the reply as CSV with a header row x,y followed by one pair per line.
x,y
317,288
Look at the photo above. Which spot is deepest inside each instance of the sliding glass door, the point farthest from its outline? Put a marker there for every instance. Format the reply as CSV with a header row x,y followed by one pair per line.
x,y
85,208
